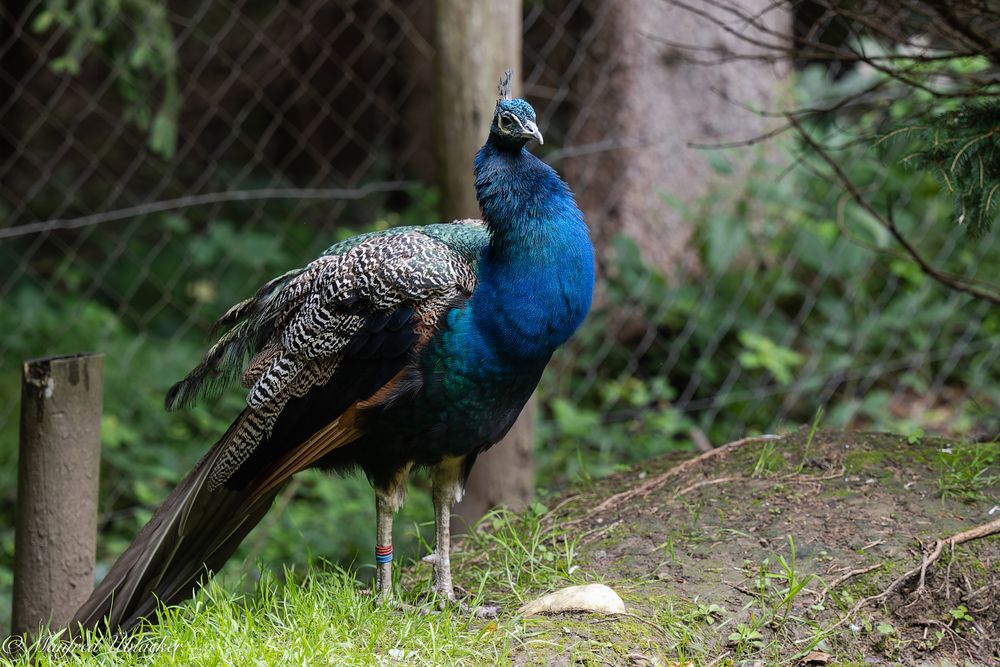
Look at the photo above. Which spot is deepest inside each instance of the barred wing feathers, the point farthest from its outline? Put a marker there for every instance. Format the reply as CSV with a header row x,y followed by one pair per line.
x,y
293,335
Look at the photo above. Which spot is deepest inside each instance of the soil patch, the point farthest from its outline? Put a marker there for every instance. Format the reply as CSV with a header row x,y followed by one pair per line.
x,y
760,554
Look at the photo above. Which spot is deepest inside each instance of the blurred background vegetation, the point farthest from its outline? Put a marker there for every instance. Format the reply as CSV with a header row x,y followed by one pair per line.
x,y
786,294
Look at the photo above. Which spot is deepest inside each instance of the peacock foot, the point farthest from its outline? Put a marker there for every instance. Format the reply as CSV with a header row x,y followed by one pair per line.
x,y
450,600
438,601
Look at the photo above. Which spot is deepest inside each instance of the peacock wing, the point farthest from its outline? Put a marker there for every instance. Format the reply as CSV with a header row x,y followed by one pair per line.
x,y
315,341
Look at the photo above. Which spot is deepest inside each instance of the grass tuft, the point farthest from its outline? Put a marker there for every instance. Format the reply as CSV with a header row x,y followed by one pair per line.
x,y
968,471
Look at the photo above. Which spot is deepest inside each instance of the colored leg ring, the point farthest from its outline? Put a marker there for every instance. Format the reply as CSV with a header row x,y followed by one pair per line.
x,y
383,554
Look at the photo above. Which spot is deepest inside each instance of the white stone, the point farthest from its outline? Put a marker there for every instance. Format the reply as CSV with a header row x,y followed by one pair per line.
x,y
596,598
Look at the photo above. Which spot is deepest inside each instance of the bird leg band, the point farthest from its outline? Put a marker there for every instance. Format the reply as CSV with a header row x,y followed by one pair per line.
x,y
383,553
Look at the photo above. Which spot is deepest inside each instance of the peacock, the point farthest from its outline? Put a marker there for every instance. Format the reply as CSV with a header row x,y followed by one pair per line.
x,y
398,349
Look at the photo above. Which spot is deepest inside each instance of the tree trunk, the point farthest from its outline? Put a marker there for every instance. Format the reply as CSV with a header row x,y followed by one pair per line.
x,y
648,99
474,43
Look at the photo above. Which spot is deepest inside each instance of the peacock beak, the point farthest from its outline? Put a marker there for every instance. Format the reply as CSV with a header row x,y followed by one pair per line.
x,y
531,130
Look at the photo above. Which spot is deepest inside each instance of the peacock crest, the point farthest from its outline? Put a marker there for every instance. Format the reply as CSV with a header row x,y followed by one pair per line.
x,y
504,88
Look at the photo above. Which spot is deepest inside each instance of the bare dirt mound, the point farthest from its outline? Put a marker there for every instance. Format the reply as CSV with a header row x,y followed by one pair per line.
x,y
791,551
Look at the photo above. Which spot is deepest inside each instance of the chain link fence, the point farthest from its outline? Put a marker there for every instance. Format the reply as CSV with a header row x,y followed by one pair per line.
x,y
159,162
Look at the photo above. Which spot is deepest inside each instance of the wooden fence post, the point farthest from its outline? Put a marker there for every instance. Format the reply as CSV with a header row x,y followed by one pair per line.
x,y
57,474
474,43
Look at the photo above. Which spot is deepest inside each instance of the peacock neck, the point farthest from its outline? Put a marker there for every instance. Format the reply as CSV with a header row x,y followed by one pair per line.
x,y
529,211
537,274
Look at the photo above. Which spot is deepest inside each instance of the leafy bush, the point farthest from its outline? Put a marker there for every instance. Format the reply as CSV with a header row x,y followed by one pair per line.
x,y
801,305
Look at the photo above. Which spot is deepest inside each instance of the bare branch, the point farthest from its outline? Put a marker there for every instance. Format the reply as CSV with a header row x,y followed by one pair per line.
x,y
887,221
913,43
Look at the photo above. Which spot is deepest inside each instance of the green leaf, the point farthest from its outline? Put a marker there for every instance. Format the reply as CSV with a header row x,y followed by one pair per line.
x,y
65,65
762,352
720,163
139,56
163,135
43,21
573,421
725,237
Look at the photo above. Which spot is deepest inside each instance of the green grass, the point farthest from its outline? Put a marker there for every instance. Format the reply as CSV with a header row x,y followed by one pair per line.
x,y
325,617
970,471
322,619
777,582
769,461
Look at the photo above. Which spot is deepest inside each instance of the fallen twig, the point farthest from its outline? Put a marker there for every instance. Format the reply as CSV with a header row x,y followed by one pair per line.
x,y
597,533
718,658
746,591
795,477
659,480
871,545
985,530
844,577
981,589
947,629
947,576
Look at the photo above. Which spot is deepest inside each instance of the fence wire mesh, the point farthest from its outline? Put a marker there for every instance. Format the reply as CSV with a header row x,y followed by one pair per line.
x,y
141,196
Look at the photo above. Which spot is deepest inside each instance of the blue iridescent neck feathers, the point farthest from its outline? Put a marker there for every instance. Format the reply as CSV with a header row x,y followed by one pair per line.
x,y
537,276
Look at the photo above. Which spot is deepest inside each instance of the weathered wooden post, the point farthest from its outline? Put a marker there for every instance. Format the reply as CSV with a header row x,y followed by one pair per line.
x,y
474,43
57,474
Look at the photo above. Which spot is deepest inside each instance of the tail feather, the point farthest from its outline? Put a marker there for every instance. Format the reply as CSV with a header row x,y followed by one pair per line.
x,y
192,534
247,326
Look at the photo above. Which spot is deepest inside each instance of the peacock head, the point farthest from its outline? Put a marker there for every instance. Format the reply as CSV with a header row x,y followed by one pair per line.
x,y
513,121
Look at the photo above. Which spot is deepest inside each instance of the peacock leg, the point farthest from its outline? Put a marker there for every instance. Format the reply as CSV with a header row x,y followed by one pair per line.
x,y
448,485
388,500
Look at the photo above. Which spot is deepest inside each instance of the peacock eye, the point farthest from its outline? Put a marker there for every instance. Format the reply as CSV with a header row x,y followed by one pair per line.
x,y
503,122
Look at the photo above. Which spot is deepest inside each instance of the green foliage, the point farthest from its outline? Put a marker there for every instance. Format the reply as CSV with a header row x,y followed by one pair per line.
x,y
808,303
137,42
769,461
760,352
746,638
781,587
937,116
961,614
962,148
969,471
709,613
630,420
